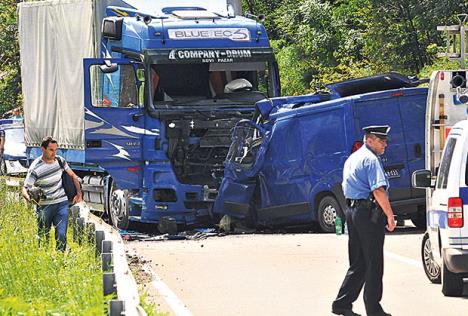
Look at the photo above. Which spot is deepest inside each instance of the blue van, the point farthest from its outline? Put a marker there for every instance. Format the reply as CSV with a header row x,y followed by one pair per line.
x,y
285,167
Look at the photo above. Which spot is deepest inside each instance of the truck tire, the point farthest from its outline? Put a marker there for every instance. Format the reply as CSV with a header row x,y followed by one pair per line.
x,y
431,268
452,283
327,211
119,210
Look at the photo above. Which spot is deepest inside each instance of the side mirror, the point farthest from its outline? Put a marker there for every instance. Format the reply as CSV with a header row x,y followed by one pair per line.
x,y
421,179
108,67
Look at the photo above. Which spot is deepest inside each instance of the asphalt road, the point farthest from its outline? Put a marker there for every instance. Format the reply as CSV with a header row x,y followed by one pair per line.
x,y
284,274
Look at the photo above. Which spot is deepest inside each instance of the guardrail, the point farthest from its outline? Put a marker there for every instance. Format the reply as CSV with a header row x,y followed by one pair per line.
x,y
117,277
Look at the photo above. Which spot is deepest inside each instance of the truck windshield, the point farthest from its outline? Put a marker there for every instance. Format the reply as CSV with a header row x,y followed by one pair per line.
x,y
242,83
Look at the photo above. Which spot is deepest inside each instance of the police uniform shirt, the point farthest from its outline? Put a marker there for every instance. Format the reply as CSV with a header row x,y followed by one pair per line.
x,y
363,173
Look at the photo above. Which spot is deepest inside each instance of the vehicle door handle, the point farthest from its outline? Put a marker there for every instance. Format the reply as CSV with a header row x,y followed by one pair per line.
x,y
136,116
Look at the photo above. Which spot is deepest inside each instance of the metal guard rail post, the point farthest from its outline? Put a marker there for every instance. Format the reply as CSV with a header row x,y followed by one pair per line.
x,y
117,276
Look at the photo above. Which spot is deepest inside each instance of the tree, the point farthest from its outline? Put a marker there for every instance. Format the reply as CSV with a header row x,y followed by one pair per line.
x,y
10,78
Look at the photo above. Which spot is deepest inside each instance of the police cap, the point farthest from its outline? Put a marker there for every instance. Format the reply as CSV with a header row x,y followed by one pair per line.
x,y
381,131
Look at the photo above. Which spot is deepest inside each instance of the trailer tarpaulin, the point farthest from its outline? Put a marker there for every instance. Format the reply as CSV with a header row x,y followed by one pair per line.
x,y
54,38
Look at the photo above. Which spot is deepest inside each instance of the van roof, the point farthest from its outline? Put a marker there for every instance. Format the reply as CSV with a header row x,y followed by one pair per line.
x,y
289,109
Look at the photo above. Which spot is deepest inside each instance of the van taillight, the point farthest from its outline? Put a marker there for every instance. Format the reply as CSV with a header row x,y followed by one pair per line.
x,y
455,212
441,75
357,144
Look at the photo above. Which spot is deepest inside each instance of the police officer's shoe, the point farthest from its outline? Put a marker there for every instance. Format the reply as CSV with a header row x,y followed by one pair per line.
x,y
344,311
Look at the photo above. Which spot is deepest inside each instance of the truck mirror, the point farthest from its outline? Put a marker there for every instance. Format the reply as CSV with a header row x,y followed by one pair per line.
x,y
421,179
108,67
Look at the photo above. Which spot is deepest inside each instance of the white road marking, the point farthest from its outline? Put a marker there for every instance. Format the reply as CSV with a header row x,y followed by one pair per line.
x,y
406,260
177,306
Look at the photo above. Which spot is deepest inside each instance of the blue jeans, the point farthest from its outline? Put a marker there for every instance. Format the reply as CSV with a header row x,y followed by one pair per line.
x,y
56,214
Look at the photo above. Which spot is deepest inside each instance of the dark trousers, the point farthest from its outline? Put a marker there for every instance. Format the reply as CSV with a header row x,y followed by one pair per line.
x,y
365,249
56,214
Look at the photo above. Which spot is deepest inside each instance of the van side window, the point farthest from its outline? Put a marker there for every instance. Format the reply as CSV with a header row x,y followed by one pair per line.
x,y
445,164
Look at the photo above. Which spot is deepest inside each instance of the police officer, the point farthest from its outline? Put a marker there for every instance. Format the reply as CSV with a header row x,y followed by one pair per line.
x,y
365,185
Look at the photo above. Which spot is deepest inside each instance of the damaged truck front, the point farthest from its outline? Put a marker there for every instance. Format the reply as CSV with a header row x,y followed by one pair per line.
x,y
285,168
154,130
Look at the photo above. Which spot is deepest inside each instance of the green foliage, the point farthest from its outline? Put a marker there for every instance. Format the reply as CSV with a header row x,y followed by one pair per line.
x,y
319,41
10,79
38,280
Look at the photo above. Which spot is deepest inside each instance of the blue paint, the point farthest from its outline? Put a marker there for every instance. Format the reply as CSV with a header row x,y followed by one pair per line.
x,y
441,219
464,195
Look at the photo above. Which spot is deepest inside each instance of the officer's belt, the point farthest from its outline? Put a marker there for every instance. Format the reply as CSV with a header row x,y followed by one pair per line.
x,y
358,202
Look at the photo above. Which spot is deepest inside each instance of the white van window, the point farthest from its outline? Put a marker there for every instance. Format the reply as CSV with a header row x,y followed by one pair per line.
x,y
445,164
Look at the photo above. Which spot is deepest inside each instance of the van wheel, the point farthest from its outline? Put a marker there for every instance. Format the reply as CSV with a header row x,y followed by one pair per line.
x,y
119,207
327,211
452,283
431,268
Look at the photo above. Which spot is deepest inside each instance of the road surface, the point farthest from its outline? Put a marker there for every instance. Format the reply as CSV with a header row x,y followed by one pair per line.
x,y
284,274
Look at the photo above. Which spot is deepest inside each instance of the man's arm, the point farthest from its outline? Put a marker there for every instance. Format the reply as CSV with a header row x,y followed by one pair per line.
x,y
381,197
76,181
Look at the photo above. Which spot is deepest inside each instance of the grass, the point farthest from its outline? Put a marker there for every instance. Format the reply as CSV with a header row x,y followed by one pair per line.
x,y
39,280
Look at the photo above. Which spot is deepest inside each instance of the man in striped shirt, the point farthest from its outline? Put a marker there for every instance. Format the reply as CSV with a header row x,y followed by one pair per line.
x,y
45,173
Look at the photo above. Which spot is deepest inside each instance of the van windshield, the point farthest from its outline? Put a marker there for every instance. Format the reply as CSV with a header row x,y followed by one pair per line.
x,y
445,164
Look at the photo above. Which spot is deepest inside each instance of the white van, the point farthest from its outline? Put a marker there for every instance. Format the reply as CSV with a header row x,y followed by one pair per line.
x,y
445,244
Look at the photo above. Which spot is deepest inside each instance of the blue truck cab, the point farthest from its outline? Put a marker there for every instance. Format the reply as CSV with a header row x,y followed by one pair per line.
x,y
160,106
286,167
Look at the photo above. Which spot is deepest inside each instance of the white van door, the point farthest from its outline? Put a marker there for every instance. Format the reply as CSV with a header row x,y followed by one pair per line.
x,y
446,189
462,241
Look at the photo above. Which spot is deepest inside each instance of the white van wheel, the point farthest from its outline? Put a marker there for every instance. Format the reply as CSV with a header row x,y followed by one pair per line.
x,y
118,207
431,268
452,283
326,214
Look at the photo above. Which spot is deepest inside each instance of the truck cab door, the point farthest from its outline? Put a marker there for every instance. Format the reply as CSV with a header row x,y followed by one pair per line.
x,y
114,119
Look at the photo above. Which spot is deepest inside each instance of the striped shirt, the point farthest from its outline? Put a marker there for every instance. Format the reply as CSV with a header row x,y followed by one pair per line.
x,y
48,177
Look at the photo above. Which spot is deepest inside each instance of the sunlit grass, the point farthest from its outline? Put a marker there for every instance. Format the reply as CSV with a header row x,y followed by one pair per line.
x,y
39,280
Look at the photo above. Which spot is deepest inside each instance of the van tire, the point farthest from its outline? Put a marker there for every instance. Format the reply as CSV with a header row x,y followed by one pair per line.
x,y
327,211
452,283
431,268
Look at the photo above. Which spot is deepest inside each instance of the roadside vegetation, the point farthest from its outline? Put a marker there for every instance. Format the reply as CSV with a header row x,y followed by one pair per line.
x,y
38,280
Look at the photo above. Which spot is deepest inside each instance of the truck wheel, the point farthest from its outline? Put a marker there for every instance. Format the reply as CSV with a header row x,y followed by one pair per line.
x,y
431,268
118,207
327,211
419,218
452,283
